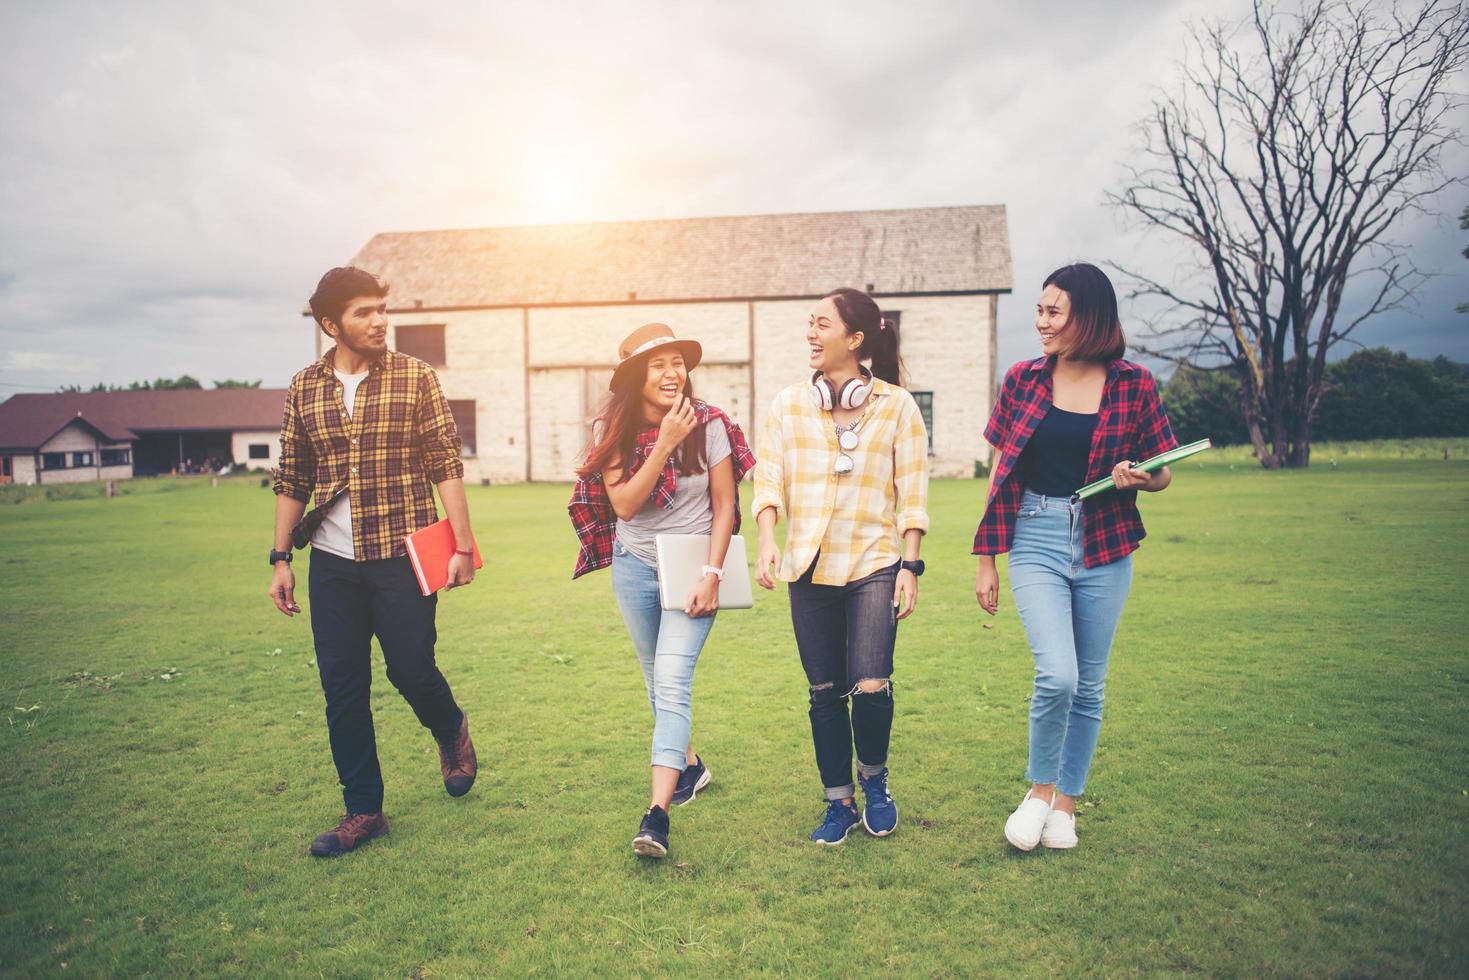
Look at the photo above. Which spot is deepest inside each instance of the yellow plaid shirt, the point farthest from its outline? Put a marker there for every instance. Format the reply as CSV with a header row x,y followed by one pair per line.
x,y
398,442
856,520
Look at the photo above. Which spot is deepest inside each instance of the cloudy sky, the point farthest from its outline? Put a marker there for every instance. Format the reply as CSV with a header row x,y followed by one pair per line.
x,y
175,176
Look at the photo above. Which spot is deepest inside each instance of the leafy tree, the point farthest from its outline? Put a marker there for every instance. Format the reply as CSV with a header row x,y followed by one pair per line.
x,y
1204,405
232,383
165,384
1383,394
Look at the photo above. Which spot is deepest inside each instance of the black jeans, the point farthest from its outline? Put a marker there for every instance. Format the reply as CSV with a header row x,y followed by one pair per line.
x,y
351,602
846,635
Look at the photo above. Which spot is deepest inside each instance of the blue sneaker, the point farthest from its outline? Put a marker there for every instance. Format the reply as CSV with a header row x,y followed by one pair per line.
x,y
690,781
652,838
840,819
880,815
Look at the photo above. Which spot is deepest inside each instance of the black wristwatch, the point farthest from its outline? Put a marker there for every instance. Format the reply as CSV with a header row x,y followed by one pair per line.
x,y
276,556
915,566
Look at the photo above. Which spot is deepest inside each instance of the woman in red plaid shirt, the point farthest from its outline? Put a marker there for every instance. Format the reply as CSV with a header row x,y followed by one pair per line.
x,y
1078,413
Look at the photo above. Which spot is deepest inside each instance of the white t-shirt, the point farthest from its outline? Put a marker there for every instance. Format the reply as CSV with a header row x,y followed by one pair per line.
x,y
334,536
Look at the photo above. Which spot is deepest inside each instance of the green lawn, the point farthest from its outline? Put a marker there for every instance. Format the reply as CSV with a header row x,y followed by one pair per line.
x,y
1281,786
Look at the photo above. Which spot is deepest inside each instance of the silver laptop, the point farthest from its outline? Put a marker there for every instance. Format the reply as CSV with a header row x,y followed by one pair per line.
x,y
681,561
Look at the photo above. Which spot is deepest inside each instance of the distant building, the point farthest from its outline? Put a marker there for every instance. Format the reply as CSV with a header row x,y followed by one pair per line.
x,y
522,324
69,437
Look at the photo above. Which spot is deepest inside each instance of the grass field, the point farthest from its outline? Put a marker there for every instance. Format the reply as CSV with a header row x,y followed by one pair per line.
x,y
1281,787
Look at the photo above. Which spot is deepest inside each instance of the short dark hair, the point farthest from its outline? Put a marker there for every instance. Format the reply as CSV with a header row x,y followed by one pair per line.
x,y
1093,311
338,288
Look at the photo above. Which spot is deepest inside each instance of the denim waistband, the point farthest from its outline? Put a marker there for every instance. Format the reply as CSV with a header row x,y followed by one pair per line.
x,y
1030,498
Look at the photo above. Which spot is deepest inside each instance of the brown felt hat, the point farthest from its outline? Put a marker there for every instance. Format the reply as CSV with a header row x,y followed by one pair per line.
x,y
637,346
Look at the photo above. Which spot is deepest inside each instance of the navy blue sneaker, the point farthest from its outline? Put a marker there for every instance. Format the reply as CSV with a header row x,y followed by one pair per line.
x,y
652,838
880,815
839,821
690,781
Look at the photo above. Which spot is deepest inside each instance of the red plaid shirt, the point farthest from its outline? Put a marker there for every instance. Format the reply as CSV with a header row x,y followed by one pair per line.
x,y
1132,426
592,516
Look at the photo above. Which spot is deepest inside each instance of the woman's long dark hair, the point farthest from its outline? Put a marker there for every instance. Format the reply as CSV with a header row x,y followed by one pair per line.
x,y
860,314
615,432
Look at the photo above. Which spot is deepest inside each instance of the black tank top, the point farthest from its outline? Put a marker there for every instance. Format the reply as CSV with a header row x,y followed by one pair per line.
x,y
1055,458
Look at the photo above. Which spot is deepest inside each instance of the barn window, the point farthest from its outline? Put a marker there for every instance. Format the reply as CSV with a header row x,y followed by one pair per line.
x,y
117,457
53,461
81,459
424,341
464,419
925,405
260,450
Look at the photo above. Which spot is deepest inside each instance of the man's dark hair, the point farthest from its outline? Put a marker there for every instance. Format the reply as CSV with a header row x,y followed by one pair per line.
x,y
1093,312
338,288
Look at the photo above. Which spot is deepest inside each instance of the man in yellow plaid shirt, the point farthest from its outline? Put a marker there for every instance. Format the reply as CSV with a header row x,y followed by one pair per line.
x,y
370,432
844,459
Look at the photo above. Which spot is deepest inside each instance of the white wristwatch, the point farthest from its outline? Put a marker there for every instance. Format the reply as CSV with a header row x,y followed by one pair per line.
x,y
716,572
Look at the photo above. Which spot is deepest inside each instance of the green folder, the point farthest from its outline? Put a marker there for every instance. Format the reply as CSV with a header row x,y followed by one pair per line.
x,y
1147,466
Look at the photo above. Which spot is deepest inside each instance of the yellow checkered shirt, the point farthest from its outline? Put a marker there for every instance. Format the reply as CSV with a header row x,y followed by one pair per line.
x,y
856,521
399,441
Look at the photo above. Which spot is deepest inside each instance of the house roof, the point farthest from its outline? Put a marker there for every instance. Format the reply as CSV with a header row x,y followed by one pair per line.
x,y
28,421
770,256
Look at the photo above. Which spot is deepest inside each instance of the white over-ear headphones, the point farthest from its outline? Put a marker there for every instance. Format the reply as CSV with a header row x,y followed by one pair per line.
x,y
853,393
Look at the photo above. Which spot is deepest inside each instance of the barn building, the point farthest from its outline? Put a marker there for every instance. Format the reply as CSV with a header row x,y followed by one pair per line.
x,y
70,437
522,323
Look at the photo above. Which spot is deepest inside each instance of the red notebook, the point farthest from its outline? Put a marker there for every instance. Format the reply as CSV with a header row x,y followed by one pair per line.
x,y
430,550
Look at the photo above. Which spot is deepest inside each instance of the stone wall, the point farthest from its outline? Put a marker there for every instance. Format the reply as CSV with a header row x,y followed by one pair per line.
x,y
533,406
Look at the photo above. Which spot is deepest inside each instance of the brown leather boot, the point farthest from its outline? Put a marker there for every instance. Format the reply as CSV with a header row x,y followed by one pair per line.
x,y
355,828
457,761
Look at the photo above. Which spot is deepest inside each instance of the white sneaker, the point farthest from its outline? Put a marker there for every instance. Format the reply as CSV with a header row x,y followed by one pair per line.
x,y
1026,824
1060,830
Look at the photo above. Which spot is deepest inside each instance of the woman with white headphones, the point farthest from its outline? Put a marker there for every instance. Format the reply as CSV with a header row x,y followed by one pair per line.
x,y
844,460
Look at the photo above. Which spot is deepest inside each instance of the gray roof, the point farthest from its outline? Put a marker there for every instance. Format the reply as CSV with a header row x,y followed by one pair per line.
x,y
770,256
28,421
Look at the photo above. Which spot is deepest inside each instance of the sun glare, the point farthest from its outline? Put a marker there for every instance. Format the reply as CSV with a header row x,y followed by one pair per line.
x,y
554,193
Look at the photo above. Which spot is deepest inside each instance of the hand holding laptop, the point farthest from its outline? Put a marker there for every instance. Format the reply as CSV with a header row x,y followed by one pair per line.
x,y
682,560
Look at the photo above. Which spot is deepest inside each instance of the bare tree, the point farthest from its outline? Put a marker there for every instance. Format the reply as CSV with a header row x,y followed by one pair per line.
x,y
1291,146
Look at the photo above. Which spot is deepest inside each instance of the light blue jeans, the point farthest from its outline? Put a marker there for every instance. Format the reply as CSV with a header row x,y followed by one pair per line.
x,y
1070,614
668,645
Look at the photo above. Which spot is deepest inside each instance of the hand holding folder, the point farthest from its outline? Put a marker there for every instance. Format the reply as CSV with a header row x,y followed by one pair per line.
x,y
430,550
1146,466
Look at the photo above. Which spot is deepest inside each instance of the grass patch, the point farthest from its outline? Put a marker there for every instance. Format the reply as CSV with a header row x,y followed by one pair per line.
x,y
1279,788
1323,454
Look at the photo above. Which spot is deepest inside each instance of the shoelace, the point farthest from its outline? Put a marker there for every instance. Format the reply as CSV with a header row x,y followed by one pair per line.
x,y
451,751
836,814
353,822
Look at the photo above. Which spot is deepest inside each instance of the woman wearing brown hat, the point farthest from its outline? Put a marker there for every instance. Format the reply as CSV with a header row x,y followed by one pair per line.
x,y
660,462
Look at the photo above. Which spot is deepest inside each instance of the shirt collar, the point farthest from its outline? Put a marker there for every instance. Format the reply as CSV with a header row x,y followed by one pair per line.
x,y
328,364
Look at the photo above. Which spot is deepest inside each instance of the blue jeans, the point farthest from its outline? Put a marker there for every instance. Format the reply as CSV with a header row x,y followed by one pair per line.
x,y
668,644
1070,614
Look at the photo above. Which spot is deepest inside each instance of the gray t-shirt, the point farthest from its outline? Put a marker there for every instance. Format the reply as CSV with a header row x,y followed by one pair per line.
x,y
691,512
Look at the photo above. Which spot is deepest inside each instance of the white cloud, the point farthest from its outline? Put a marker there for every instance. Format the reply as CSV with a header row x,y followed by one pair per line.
x,y
175,177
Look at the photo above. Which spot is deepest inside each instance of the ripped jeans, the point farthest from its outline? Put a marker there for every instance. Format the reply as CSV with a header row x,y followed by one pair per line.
x,y
846,634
